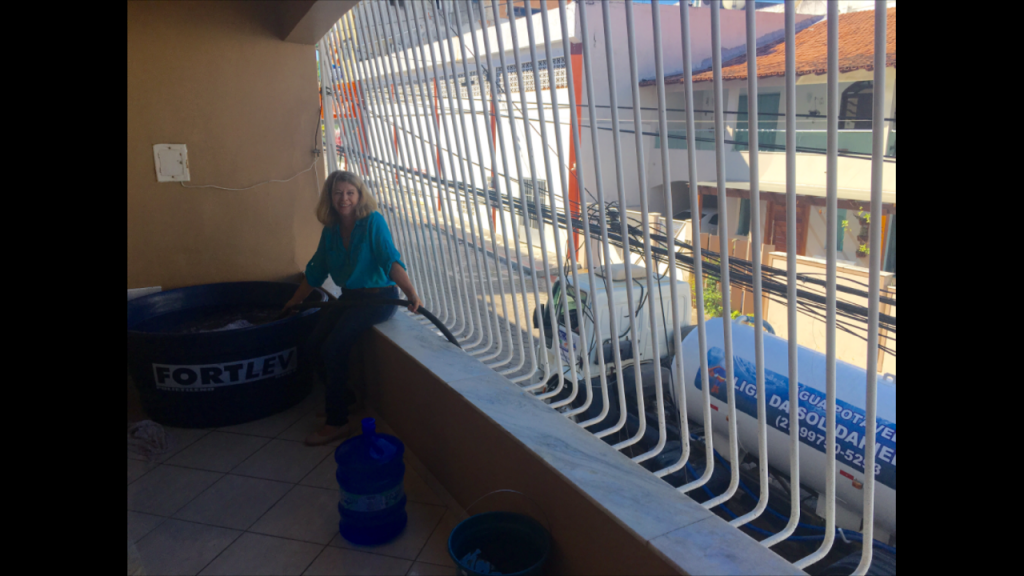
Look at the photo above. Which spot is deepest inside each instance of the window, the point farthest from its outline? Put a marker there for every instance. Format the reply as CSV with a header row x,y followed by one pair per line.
x,y
855,118
892,137
767,124
843,224
892,142
743,229
890,259
856,109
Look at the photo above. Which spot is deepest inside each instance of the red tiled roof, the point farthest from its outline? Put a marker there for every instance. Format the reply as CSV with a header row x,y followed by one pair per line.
x,y
856,51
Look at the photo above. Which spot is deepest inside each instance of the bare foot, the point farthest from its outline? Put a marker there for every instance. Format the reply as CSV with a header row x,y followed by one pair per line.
x,y
329,434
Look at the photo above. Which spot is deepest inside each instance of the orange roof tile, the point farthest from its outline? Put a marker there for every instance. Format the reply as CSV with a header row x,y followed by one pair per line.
x,y
856,51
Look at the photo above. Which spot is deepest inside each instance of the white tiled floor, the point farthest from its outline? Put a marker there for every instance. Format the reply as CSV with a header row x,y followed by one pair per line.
x,y
252,499
218,452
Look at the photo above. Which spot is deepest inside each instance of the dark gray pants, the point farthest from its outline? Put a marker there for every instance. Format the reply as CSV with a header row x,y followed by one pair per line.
x,y
333,339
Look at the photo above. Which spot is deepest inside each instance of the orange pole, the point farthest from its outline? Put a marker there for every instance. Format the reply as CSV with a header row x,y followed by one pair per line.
x,y
885,236
348,90
354,88
575,207
338,113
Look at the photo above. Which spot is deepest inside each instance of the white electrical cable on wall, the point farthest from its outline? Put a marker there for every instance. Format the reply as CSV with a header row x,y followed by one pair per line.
x,y
311,167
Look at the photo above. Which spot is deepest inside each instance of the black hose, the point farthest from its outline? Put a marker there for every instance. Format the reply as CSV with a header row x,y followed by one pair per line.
x,y
403,303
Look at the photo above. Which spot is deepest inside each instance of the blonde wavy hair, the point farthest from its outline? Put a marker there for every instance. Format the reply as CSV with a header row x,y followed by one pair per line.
x,y
325,211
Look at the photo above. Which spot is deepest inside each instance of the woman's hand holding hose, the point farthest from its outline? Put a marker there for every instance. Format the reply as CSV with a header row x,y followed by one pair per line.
x,y
400,277
300,296
415,305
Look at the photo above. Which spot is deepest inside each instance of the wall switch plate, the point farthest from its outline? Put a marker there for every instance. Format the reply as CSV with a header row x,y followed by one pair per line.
x,y
171,162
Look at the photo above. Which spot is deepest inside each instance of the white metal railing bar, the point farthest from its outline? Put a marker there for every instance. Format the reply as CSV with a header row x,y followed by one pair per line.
x,y
485,270
348,132
405,192
648,257
698,267
605,243
833,228
443,189
351,149
527,129
458,165
335,36
564,175
793,311
397,216
676,336
384,148
591,259
755,232
392,188
329,130
482,267
515,221
723,224
332,107
417,192
500,132
378,91
431,130
877,178
473,213
454,168
444,206
353,132
624,226
554,228
374,89
432,228
492,360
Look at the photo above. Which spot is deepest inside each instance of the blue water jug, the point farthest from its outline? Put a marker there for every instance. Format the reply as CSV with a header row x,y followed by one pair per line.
x,y
371,473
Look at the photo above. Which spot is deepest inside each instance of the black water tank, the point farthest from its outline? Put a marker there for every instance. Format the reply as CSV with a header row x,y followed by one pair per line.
x,y
188,378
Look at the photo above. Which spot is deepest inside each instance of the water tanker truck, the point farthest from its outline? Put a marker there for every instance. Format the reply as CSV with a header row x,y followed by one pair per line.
x,y
681,377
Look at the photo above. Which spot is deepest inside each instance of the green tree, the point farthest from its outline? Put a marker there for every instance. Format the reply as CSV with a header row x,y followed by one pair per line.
x,y
713,306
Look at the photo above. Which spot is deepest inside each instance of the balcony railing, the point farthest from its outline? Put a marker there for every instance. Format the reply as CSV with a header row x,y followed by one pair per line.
x,y
460,175
857,142
808,141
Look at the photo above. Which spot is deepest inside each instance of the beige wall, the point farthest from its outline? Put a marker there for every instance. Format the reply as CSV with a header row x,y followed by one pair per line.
x,y
216,77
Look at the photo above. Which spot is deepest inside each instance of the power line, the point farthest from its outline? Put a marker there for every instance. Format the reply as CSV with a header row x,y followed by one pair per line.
x,y
809,302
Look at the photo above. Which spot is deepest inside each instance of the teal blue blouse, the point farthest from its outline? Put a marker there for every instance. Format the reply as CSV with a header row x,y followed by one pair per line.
x,y
365,264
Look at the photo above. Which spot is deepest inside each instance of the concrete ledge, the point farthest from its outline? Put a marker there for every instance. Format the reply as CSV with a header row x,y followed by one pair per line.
x,y
477,432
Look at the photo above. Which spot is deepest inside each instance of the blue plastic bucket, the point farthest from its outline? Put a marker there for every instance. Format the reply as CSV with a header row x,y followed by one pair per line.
x,y
510,544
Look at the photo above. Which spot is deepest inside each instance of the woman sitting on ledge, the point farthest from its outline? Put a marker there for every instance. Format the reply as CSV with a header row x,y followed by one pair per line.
x,y
357,251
